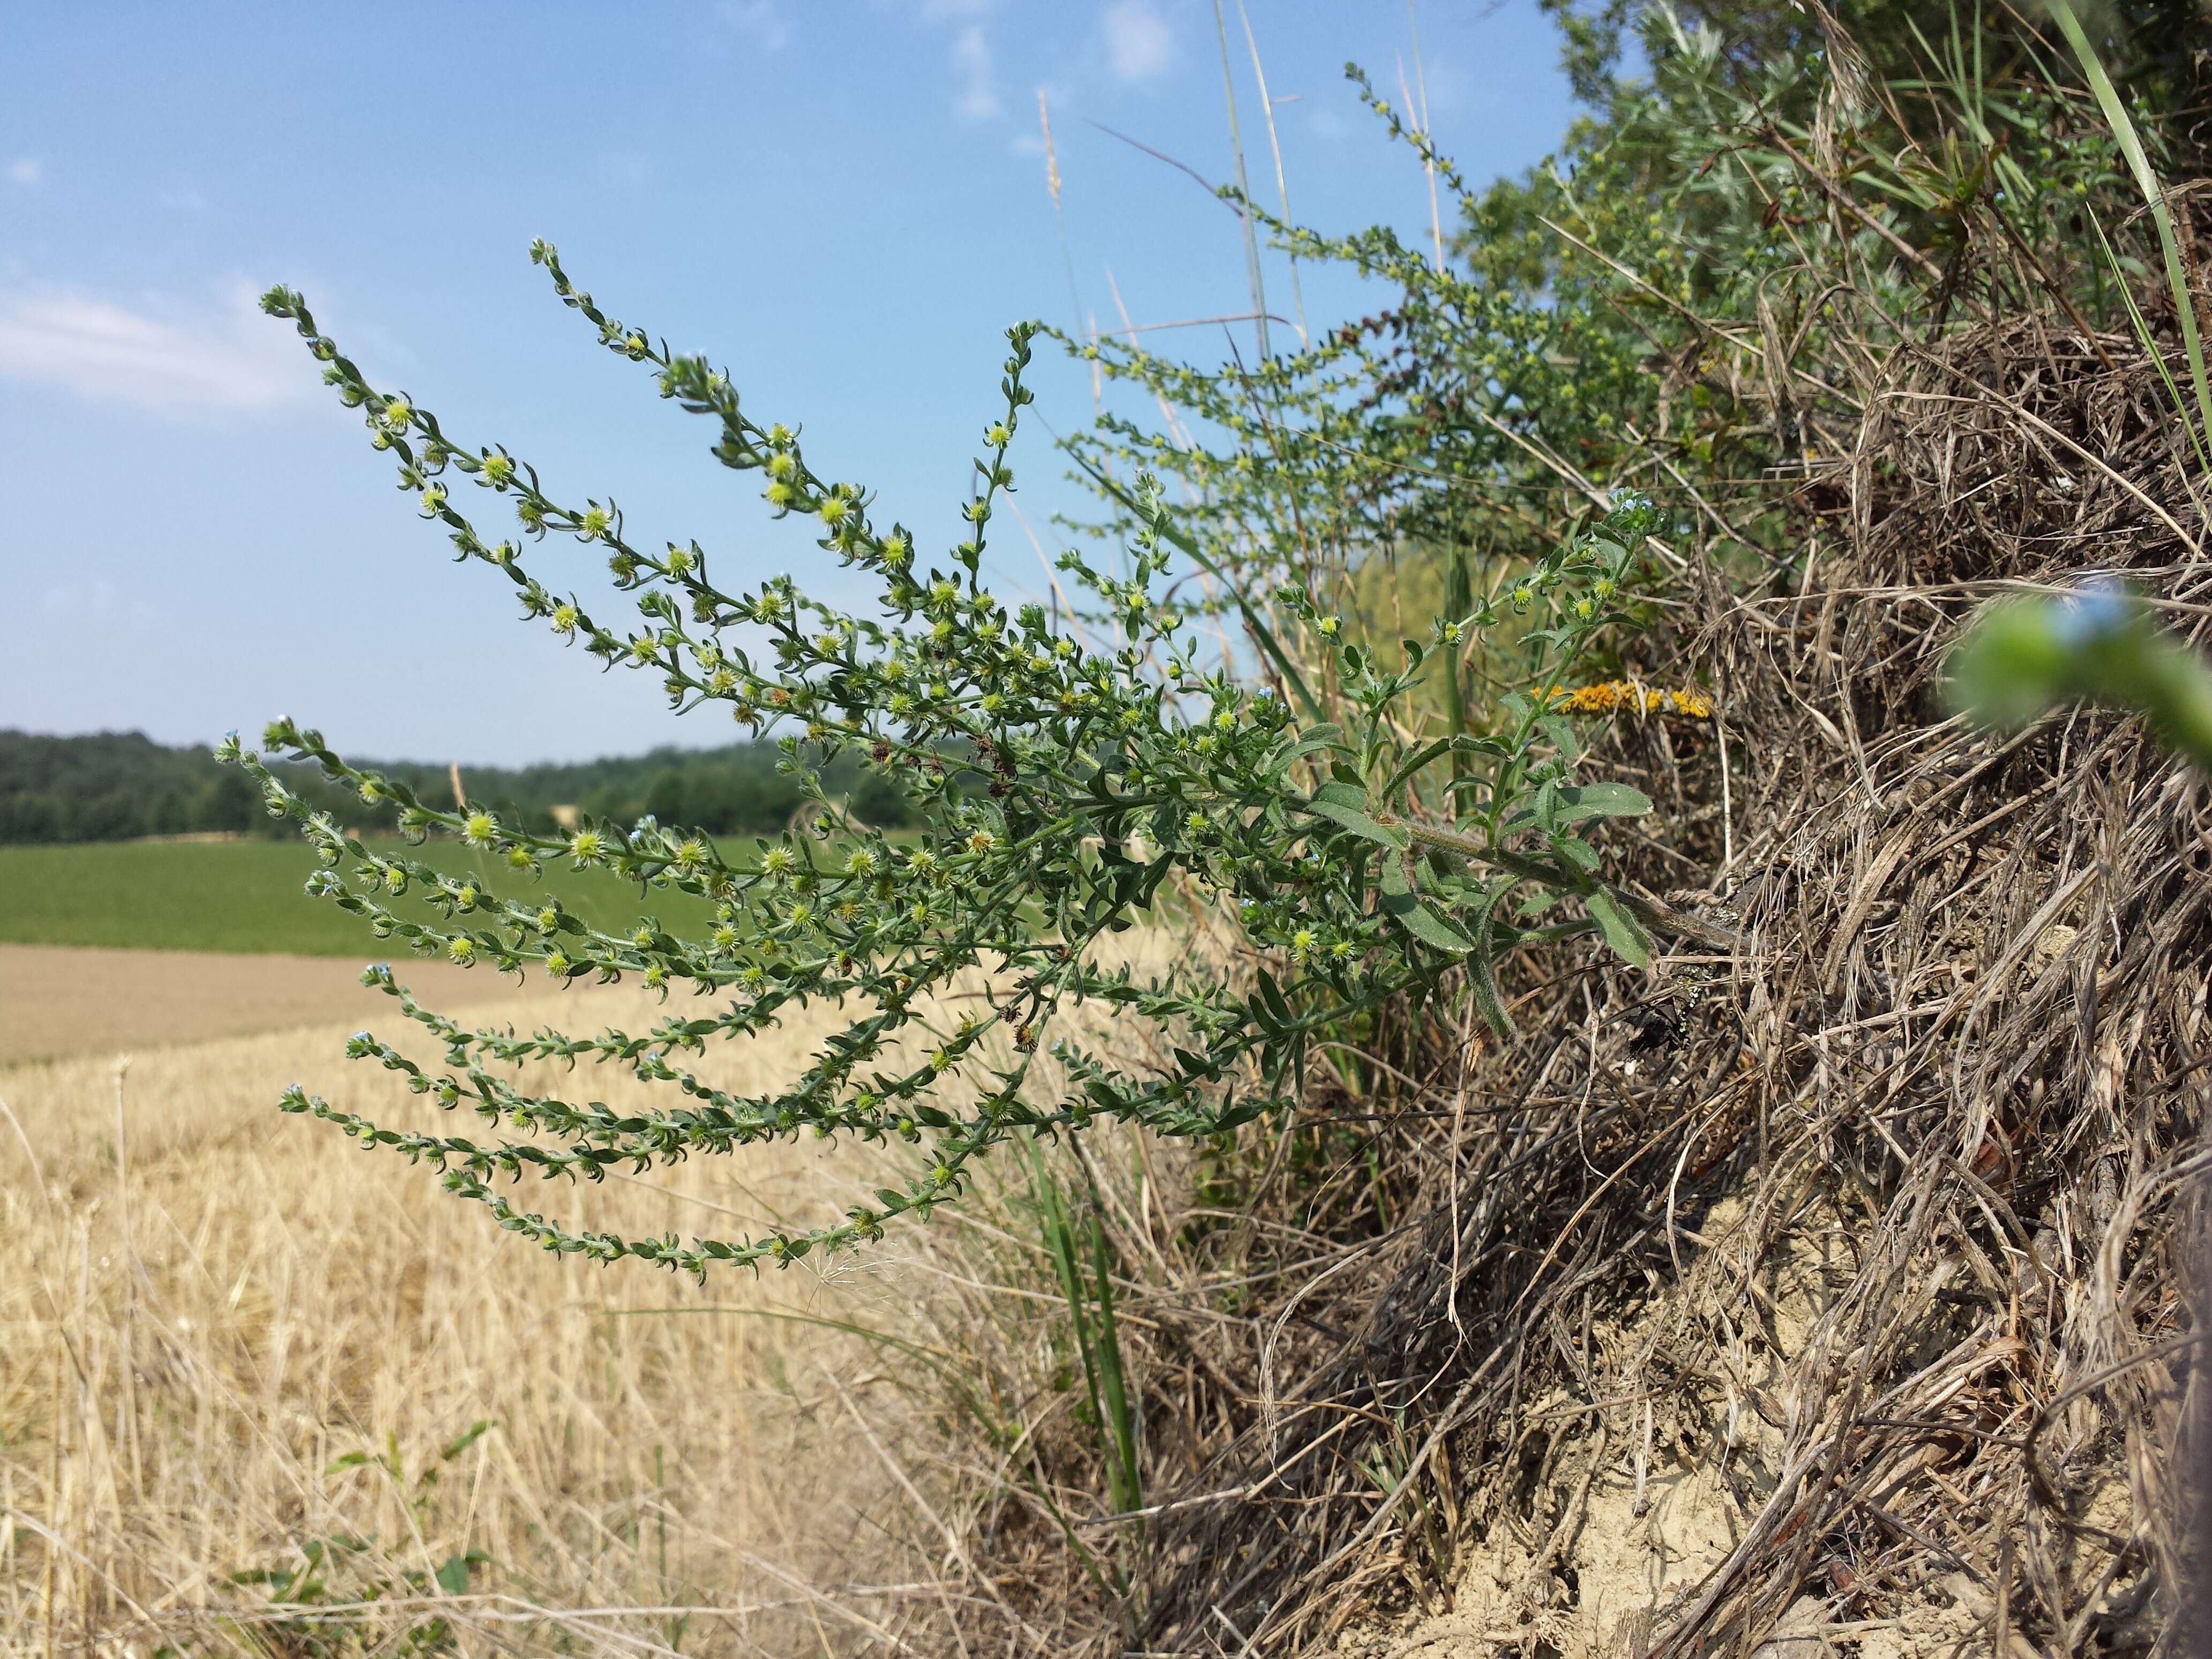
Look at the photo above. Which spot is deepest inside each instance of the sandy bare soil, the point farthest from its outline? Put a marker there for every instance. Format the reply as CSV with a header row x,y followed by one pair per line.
x,y
58,1000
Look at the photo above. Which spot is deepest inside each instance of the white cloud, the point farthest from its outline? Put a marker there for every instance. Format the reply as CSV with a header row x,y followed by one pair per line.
x,y
974,98
1138,43
28,171
217,357
762,20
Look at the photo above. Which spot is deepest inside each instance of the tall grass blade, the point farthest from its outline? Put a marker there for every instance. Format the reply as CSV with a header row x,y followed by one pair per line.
x,y
1261,633
1421,111
1459,601
1243,189
1060,1244
1090,1296
2149,343
1059,216
1275,148
2130,143
1120,1418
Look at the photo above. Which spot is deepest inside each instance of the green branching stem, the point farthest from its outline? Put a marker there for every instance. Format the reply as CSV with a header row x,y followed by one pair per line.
x,y
1065,791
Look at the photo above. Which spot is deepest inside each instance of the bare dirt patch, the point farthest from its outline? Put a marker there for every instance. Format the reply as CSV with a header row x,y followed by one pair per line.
x,y
59,1000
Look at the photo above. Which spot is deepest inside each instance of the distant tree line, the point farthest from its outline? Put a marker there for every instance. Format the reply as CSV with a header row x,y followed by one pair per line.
x,y
121,785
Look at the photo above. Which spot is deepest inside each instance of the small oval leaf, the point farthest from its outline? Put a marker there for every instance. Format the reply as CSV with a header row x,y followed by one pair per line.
x,y
1620,928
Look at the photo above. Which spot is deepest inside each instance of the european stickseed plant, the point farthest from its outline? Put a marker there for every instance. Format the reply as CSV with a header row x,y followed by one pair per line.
x,y
1067,789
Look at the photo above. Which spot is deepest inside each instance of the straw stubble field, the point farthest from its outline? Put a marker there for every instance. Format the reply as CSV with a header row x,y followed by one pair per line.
x,y
231,1344
57,1000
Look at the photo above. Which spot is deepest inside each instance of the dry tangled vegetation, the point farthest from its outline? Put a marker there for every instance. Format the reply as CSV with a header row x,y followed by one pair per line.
x,y
1828,1289
1824,1290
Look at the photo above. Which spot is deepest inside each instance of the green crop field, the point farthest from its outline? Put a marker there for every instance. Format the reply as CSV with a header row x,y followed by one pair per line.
x,y
247,895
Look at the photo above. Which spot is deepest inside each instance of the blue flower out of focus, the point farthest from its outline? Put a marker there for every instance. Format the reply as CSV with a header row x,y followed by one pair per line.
x,y
2096,610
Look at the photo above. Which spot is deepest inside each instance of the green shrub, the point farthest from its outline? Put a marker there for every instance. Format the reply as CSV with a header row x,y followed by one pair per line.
x,y
1361,864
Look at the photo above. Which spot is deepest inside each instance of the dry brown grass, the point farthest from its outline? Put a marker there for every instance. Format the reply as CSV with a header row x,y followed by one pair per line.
x,y
1956,1055
208,1306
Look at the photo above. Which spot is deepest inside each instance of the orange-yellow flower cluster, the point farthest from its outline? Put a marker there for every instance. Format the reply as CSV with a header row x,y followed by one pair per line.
x,y
1614,695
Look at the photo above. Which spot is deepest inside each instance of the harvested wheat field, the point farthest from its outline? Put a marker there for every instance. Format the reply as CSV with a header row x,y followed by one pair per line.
x,y
241,1364
60,999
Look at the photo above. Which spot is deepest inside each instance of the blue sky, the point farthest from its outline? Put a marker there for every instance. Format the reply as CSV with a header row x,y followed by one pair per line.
x,y
843,201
